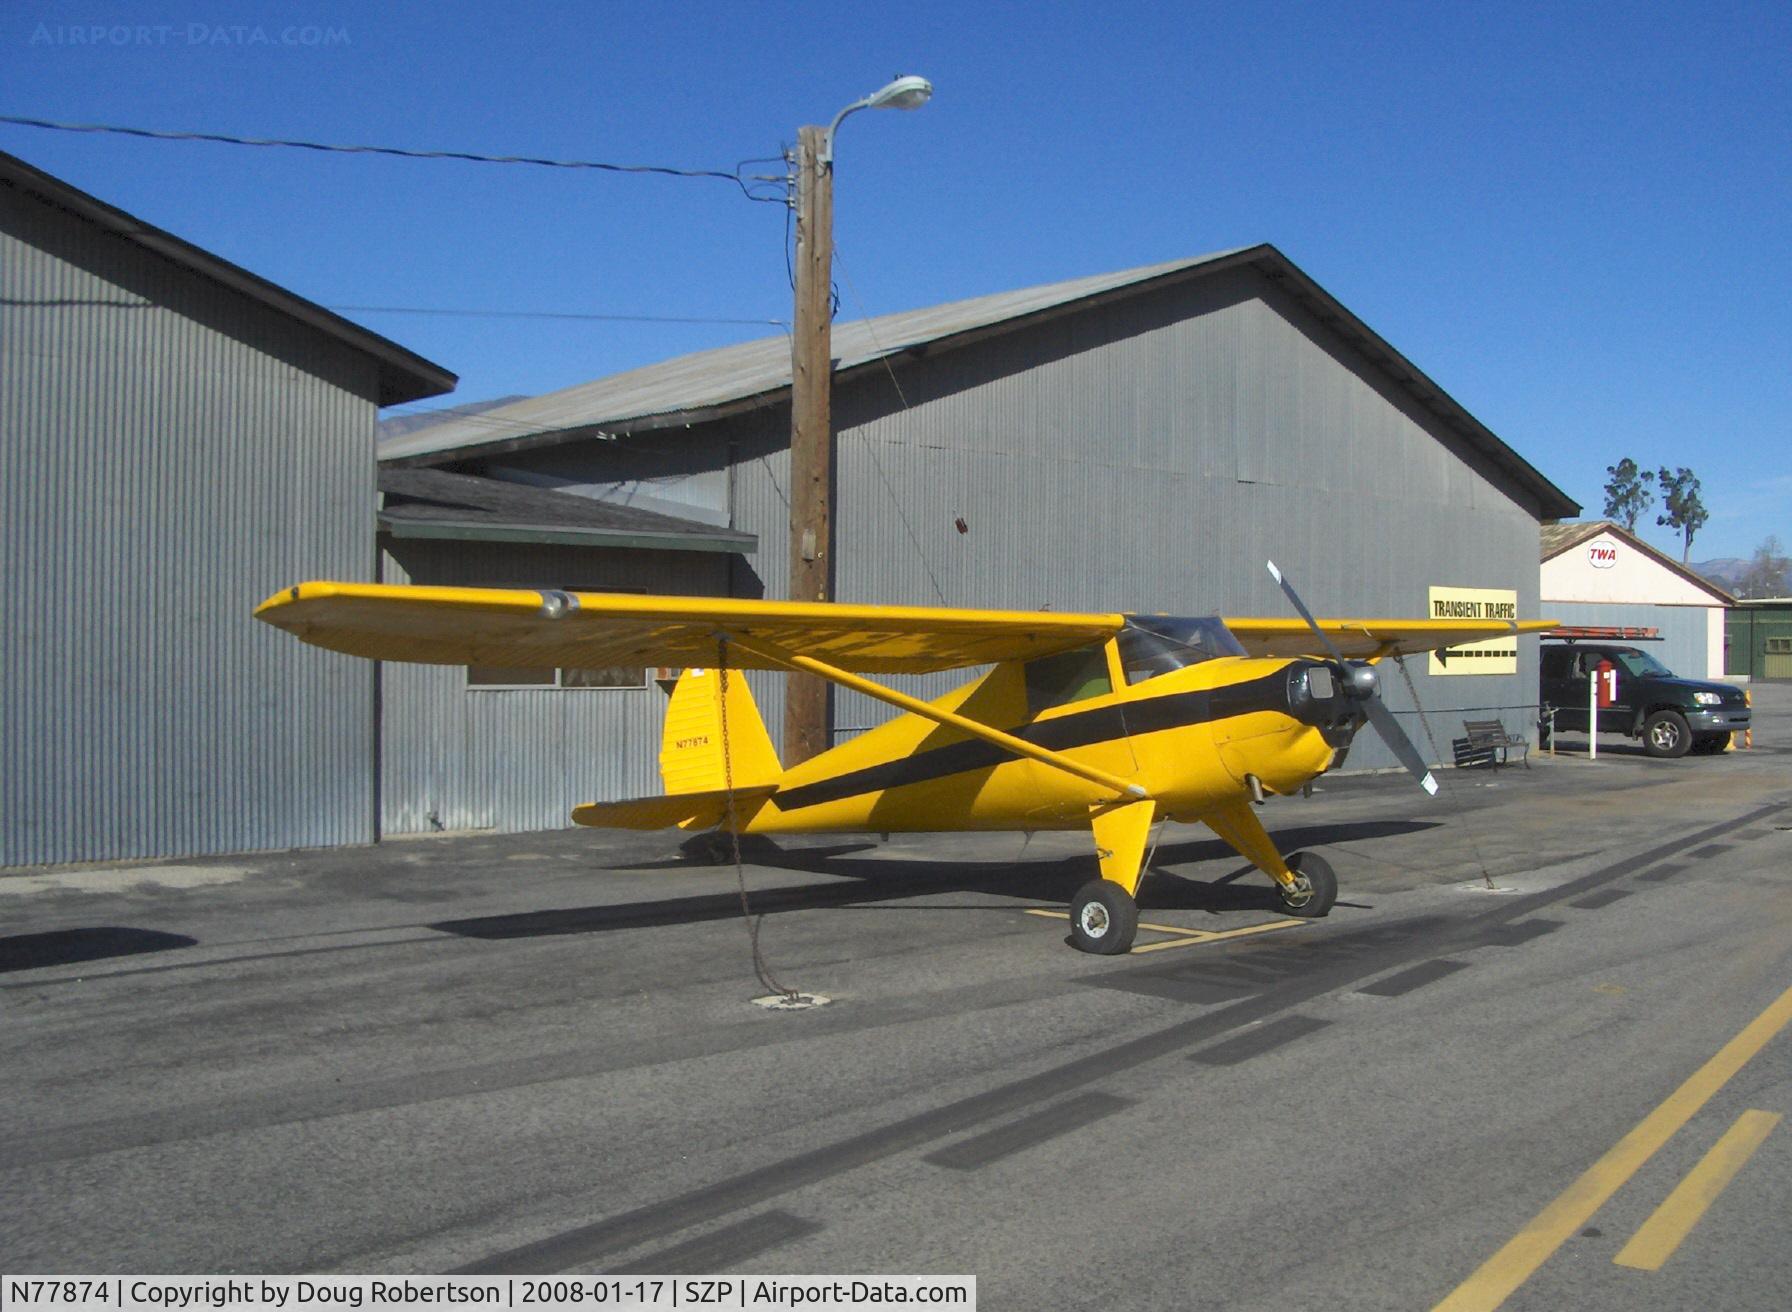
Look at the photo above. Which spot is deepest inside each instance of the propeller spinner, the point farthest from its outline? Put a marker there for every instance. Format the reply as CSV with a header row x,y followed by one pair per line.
x,y
1357,680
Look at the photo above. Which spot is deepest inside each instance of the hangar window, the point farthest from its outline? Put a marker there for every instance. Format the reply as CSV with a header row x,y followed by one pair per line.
x,y
597,676
604,676
1070,676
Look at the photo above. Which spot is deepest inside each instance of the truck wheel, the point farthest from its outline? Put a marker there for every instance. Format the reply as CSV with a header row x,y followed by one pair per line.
x,y
1665,734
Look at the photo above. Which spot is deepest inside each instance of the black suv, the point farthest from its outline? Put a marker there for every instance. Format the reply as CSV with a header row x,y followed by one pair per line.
x,y
1670,714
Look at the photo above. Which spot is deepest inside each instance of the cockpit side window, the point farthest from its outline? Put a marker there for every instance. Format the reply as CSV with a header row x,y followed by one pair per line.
x,y
1156,644
1070,676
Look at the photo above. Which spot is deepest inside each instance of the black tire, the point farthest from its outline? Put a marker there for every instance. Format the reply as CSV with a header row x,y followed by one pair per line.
x,y
1710,744
1103,918
1665,734
1321,880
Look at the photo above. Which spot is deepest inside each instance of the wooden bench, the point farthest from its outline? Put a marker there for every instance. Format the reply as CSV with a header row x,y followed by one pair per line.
x,y
1488,743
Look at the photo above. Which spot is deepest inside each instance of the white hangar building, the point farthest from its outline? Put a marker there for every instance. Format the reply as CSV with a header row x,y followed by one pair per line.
x,y
1142,440
1599,575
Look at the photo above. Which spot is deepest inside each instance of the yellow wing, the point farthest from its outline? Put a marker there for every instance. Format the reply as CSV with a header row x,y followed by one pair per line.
x,y
1371,639
518,627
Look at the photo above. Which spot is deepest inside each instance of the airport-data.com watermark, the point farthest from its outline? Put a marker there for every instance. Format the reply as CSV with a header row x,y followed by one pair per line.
x,y
99,35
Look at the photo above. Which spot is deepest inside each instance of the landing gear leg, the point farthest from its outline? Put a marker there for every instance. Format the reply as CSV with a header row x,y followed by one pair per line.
x,y
1305,884
1104,914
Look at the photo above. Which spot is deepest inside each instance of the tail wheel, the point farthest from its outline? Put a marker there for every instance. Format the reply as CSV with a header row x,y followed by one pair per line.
x,y
1315,887
712,847
1665,733
1103,918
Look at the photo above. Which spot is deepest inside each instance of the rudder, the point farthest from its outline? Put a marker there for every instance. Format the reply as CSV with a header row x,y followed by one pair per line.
x,y
692,746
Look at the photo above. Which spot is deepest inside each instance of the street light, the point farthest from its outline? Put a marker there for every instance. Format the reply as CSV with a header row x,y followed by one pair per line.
x,y
811,376
908,92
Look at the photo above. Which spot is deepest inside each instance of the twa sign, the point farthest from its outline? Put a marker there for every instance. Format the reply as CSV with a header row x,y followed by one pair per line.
x,y
1602,555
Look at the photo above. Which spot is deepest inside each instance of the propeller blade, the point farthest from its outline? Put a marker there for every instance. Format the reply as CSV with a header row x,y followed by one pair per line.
x,y
1398,743
1363,690
1307,615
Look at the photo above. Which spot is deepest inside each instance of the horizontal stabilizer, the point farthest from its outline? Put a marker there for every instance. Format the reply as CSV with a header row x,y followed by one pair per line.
x,y
685,810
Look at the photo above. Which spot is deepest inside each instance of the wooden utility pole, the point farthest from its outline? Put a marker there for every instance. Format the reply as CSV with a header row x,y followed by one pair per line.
x,y
806,699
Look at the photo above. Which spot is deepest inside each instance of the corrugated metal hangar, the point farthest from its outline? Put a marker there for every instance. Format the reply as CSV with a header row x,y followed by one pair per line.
x,y
178,438
1142,441
182,438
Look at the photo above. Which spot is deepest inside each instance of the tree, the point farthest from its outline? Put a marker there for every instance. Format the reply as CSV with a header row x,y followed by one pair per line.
x,y
1769,573
1680,498
1627,493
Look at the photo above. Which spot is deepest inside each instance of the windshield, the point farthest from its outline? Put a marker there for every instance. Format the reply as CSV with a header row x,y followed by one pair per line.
x,y
1151,645
1642,664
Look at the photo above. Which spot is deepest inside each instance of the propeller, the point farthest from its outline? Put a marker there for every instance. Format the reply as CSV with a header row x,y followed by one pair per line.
x,y
1358,680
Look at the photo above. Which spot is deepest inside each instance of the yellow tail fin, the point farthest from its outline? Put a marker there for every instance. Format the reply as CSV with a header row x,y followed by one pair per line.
x,y
691,749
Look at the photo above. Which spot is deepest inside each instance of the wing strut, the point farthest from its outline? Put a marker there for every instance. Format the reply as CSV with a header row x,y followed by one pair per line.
x,y
1006,741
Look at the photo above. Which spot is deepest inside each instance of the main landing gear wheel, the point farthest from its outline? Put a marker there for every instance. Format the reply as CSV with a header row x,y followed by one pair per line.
x,y
1103,918
1665,733
1315,887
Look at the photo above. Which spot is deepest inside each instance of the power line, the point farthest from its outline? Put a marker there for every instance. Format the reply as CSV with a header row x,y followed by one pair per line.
x,y
549,314
404,153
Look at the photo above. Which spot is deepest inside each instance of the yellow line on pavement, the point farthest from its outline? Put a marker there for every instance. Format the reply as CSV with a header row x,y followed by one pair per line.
x,y
1189,940
1183,937
1534,1245
1663,1232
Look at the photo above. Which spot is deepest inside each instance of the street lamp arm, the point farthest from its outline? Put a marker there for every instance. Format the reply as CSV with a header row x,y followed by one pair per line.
x,y
825,157
907,92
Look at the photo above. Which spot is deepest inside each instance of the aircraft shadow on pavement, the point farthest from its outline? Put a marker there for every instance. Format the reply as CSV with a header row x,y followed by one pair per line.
x,y
65,947
852,882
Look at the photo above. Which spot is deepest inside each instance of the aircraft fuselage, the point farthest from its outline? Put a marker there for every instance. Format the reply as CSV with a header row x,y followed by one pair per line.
x,y
1187,737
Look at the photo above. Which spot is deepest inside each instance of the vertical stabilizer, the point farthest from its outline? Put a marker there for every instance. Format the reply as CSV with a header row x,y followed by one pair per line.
x,y
691,750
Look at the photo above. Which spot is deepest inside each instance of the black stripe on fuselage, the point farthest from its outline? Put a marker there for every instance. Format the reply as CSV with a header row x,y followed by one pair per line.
x,y
1080,729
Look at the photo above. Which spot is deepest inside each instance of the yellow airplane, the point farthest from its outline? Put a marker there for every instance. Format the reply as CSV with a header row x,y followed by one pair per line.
x,y
1102,722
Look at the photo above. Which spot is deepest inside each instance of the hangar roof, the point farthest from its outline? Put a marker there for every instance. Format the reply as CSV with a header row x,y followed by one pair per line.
x,y
1560,538
432,503
713,384
403,375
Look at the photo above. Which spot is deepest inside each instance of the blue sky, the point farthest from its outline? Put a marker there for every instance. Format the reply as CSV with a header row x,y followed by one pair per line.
x,y
1576,218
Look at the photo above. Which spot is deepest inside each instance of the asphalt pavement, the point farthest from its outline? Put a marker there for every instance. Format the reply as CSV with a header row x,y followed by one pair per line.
x,y
1545,1002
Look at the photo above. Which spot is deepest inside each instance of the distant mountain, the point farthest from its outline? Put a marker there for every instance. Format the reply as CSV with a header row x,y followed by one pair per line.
x,y
1725,571
399,425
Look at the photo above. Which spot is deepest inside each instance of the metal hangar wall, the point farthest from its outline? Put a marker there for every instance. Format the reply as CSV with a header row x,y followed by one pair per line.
x,y
1143,440
178,439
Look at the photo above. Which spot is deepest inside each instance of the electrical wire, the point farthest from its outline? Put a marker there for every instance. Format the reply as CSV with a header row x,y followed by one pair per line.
x,y
400,152
551,314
